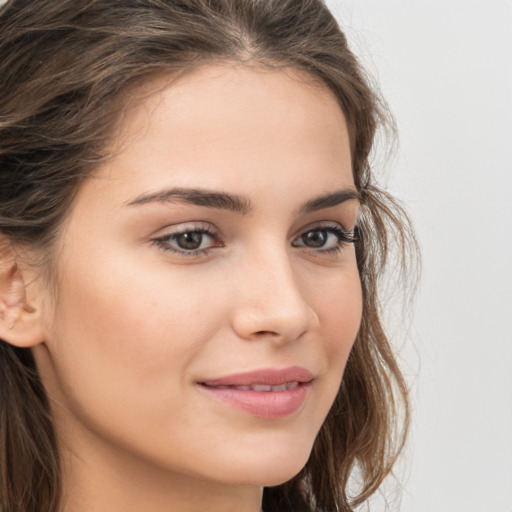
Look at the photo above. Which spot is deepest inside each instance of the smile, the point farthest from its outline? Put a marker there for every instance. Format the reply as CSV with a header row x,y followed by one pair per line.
x,y
261,388
268,393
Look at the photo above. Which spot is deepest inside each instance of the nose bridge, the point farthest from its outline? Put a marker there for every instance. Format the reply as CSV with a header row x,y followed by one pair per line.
x,y
273,302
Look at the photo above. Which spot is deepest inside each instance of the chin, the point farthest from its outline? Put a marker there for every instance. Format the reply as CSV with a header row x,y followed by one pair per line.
x,y
274,469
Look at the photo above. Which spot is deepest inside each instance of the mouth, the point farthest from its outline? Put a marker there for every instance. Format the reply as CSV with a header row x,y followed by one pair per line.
x,y
268,393
264,379
260,388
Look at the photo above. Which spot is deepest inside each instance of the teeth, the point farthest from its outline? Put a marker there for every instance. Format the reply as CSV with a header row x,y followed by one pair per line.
x,y
262,387
266,388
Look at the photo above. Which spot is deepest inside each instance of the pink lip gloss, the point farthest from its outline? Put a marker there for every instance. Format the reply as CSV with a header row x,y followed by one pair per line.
x,y
267,393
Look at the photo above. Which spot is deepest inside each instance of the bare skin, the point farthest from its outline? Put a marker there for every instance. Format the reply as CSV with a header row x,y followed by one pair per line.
x,y
144,317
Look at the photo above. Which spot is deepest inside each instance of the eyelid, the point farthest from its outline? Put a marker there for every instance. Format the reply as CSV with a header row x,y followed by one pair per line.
x,y
344,236
166,240
162,241
185,227
326,224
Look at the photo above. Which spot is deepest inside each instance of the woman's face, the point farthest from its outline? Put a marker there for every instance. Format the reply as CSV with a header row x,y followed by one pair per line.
x,y
208,292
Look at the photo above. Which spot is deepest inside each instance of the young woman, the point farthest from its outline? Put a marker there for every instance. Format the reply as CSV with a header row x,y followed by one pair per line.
x,y
190,243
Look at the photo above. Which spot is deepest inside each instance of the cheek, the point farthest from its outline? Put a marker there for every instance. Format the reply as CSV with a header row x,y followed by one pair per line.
x,y
339,306
129,330
125,303
340,312
123,339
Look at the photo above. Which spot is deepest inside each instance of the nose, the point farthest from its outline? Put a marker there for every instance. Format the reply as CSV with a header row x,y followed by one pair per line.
x,y
271,302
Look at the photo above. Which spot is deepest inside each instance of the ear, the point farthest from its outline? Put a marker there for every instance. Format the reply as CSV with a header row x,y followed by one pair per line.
x,y
20,319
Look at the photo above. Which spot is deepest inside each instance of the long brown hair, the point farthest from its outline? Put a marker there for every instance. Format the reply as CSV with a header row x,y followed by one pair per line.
x,y
64,66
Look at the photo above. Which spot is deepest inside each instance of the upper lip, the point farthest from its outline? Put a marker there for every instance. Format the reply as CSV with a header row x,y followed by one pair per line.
x,y
268,376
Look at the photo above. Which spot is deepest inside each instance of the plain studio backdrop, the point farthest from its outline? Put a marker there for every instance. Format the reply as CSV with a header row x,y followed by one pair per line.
x,y
445,67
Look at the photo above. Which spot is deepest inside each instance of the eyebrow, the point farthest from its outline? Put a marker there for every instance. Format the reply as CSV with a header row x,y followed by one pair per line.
x,y
330,199
236,203
198,197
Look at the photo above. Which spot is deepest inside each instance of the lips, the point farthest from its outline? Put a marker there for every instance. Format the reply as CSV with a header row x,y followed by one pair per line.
x,y
268,393
262,387
267,376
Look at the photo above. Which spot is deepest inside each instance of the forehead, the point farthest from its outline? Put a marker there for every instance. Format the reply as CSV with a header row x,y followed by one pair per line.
x,y
231,125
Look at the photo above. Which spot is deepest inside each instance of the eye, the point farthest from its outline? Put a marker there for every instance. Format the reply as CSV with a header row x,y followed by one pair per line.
x,y
325,238
188,242
191,240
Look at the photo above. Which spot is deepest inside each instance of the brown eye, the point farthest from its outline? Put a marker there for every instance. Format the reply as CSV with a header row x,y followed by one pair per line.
x,y
325,239
189,241
316,238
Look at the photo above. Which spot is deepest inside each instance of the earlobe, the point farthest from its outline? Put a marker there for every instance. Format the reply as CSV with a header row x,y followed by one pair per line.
x,y
19,320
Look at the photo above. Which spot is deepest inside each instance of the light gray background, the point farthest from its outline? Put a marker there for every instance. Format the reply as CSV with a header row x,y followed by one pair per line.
x,y
445,67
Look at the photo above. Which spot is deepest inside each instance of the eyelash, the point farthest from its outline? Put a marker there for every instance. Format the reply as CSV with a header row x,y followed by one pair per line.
x,y
344,237
163,241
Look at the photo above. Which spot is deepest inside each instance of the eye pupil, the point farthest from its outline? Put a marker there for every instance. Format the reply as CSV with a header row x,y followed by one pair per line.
x,y
314,238
191,240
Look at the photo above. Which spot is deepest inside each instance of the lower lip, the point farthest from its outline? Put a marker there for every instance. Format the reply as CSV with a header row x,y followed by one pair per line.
x,y
263,404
